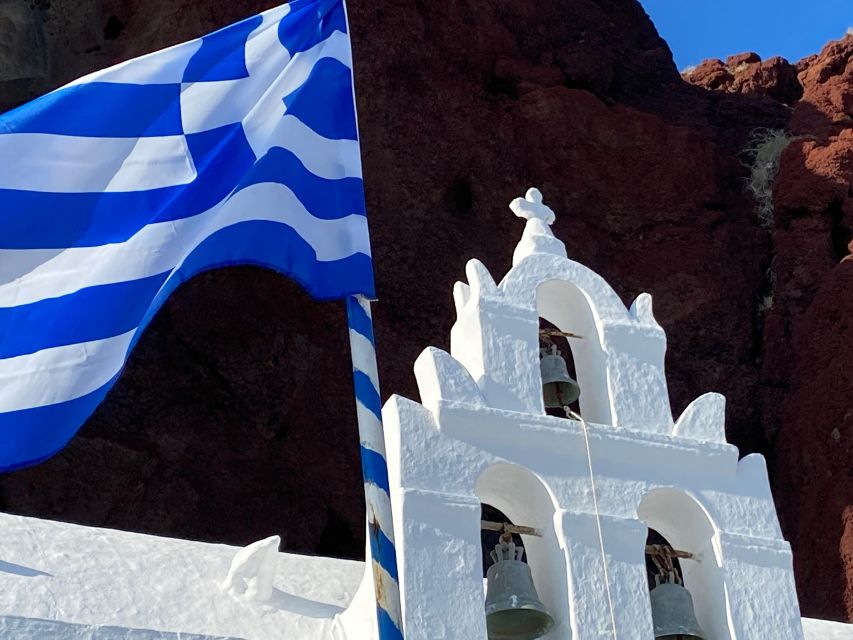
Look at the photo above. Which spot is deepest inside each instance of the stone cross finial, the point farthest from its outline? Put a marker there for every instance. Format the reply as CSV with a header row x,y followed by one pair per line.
x,y
531,206
537,237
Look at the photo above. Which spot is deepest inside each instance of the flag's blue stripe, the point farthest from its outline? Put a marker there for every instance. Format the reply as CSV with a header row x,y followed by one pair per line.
x,y
278,247
324,101
222,55
387,629
275,246
359,321
33,220
367,394
109,310
324,198
101,109
90,314
310,22
374,469
32,435
382,550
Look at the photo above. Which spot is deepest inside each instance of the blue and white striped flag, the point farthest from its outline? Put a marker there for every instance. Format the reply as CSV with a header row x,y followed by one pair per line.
x,y
239,147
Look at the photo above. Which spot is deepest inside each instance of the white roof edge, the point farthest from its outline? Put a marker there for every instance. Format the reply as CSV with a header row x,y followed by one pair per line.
x,y
56,572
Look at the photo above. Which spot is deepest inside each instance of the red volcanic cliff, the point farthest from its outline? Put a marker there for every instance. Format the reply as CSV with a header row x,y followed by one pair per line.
x,y
807,369
747,73
237,401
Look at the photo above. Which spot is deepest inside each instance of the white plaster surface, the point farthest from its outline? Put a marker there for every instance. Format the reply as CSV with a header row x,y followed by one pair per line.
x,y
88,583
67,582
823,630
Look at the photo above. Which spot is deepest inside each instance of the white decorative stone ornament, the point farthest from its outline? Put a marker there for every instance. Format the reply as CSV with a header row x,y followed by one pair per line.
x,y
537,237
252,570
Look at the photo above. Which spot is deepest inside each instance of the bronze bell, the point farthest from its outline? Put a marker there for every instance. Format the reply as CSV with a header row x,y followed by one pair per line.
x,y
513,608
672,611
559,387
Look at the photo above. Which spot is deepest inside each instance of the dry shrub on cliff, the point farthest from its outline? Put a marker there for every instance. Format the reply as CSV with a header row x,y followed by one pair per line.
x,y
763,153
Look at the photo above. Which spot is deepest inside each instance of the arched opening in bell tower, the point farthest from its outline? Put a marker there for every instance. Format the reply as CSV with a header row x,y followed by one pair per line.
x,y
560,388
515,493
566,312
678,521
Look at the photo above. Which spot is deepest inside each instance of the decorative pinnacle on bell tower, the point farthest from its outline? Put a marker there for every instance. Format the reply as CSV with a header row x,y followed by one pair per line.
x,y
537,237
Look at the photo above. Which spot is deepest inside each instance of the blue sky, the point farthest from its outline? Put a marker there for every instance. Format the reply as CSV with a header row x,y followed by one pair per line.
x,y
699,29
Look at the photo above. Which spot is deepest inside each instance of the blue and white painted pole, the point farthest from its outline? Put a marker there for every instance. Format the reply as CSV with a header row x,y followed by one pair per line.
x,y
380,530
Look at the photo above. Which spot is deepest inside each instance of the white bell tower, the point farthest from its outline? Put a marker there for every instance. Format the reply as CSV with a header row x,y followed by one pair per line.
x,y
480,434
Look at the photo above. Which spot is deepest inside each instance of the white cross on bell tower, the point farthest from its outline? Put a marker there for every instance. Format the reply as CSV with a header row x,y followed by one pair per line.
x,y
537,236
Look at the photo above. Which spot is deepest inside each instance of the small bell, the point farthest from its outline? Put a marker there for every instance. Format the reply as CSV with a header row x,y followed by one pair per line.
x,y
559,387
672,611
513,608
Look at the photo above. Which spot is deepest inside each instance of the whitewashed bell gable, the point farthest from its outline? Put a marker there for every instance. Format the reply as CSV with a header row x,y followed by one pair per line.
x,y
480,435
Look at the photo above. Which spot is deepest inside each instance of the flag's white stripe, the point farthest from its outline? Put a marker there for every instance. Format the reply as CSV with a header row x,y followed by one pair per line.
x,y
274,75
264,40
160,247
336,46
71,164
166,66
331,159
60,374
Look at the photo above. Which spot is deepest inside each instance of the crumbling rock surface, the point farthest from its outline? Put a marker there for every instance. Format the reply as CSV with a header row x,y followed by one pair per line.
x,y
746,73
234,419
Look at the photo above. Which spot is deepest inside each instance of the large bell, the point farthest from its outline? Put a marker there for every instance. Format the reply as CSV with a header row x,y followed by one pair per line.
x,y
513,608
559,387
672,613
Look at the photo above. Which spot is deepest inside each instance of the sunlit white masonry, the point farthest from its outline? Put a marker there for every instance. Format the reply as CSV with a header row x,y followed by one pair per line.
x,y
591,489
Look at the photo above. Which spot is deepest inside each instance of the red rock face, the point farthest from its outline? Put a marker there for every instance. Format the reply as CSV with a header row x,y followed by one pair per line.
x,y
748,74
234,419
806,375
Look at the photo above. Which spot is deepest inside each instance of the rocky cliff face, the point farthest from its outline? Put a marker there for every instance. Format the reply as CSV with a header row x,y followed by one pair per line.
x,y
806,375
234,418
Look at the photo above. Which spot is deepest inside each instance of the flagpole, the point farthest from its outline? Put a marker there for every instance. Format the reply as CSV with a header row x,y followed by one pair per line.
x,y
374,466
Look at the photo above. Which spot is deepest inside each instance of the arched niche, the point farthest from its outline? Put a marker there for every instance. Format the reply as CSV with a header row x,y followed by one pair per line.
x,y
680,519
525,500
564,305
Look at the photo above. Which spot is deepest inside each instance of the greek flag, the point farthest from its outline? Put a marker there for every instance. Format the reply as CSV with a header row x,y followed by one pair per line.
x,y
237,148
